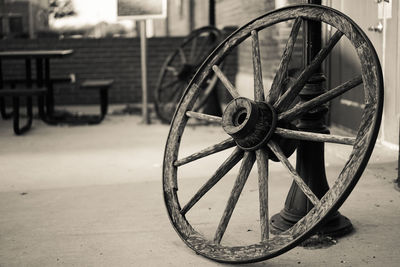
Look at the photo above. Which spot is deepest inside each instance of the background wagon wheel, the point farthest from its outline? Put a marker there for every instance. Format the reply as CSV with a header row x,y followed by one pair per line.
x,y
252,128
180,67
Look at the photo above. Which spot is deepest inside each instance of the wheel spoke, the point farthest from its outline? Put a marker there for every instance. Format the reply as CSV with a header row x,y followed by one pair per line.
x,y
172,69
245,168
204,117
176,92
182,55
226,166
319,100
228,85
262,164
302,185
316,137
206,91
283,65
203,51
208,86
258,80
228,143
287,98
193,49
171,83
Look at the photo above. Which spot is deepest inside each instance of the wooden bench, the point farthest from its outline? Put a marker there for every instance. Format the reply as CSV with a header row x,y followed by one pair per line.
x,y
19,81
16,94
102,85
34,81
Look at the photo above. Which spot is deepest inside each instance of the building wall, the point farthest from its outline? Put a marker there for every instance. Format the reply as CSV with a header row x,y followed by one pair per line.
x,y
177,22
33,14
386,44
201,13
117,59
15,10
183,16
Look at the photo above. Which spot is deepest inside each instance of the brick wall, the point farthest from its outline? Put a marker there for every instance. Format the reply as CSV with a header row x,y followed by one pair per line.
x,y
119,59
115,58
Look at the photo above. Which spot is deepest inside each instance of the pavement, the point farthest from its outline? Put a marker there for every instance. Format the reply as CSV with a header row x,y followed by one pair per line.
x,y
92,196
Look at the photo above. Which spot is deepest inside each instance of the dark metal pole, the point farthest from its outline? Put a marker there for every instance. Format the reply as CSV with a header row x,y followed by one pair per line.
x,y
310,163
212,105
212,13
397,181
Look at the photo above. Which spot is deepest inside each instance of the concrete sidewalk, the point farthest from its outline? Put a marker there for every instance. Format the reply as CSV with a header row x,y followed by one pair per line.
x,y
92,196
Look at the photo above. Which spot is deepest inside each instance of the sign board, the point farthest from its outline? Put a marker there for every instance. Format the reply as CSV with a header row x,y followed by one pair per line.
x,y
141,9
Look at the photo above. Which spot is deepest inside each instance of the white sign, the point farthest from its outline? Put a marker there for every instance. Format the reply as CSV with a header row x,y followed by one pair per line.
x,y
385,9
141,9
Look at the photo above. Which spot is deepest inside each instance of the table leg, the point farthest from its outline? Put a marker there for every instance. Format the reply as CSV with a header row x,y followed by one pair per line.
x,y
28,78
39,83
45,111
28,74
3,111
17,129
49,86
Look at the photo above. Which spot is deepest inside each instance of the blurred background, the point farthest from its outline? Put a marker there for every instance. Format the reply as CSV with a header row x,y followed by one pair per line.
x,y
108,47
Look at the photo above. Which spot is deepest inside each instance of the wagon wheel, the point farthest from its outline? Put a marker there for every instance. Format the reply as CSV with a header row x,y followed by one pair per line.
x,y
180,67
253,128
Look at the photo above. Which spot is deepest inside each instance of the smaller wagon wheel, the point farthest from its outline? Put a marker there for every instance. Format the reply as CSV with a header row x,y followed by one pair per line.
x,y
254,129
180,67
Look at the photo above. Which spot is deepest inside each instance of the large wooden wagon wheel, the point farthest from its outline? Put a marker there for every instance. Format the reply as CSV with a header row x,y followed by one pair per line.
x,y
180,67
255,129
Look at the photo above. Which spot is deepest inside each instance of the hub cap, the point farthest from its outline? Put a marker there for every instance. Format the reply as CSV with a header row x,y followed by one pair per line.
x,y
251,124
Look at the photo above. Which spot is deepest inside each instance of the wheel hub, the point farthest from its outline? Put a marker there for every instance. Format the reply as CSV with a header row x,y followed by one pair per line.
x,y
251,124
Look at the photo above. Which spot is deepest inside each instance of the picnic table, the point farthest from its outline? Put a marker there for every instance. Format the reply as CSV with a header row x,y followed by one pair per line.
x,y
33,87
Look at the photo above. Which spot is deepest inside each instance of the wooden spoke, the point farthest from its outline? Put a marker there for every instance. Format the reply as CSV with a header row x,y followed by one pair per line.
x,y
209,88
283,65
228,85
228,143
176,92
286,99
258,80
182,55
193,49
319,100
172,69
245,168
203,51
316,137
204,117
171,83
302,185
262,164
226,166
